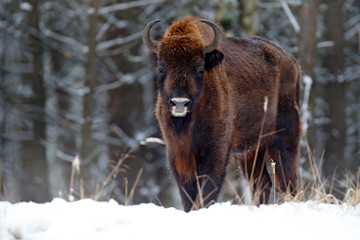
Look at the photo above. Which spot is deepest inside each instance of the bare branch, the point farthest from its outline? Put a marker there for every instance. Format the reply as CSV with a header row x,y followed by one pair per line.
x,y
124,6
118,41
268,5
152,140
277,4
325,44
352,32
64,156
66,40
130,142
108,86
290,15
103,30
352,73
352,21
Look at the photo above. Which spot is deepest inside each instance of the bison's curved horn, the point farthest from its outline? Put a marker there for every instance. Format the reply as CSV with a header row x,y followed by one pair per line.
x,y
217,38
152,45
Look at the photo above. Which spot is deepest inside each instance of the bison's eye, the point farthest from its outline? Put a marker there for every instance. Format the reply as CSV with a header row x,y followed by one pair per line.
x,y
161,77
201,70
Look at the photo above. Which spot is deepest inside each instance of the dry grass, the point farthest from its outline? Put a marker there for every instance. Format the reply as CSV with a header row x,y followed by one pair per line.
x,y
309,190
352,196
322,190
103,190
314,188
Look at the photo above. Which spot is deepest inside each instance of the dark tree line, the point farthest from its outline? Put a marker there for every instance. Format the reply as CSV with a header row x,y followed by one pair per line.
x,y
76,80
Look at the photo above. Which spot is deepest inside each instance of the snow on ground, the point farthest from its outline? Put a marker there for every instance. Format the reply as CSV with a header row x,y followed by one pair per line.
x,y
87,219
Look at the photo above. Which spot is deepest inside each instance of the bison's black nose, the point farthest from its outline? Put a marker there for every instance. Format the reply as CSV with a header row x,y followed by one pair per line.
x,y
180,106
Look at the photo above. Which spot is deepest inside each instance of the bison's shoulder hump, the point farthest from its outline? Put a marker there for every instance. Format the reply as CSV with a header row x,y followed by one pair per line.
x,y
271,51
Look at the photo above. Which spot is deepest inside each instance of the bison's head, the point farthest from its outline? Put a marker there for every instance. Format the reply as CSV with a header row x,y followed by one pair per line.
x,y
184,55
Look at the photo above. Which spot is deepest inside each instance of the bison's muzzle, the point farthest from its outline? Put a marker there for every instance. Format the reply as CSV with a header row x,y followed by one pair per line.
x,y
180,106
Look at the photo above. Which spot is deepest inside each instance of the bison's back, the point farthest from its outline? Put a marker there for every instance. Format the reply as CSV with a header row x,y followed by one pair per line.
x,y
257,69
264,62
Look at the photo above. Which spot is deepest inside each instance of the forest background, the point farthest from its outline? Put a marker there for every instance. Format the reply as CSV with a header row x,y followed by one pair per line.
x,y
76,80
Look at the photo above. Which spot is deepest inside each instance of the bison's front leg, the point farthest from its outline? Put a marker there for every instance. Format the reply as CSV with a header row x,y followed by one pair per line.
x,y
204,188
200,192
188,192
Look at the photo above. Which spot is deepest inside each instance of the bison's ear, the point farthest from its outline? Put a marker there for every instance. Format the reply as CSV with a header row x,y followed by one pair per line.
x,y
154,58
213,59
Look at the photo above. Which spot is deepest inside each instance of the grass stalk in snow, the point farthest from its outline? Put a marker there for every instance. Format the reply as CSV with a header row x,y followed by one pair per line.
x,y
273,170
113,173
102,189
132,191
75,169
314,188
352,196
266,101
118,167
3,189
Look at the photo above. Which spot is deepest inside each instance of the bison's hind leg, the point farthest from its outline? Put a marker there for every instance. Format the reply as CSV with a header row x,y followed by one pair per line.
x,y
258,177
284,147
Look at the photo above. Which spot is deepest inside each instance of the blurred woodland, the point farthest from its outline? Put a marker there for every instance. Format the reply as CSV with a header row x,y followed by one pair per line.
x,y
76,80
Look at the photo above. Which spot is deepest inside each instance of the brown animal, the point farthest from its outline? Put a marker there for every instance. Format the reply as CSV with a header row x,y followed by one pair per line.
x,y
222,97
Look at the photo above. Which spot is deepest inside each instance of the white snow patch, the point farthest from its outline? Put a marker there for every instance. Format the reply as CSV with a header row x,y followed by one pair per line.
x,y
305,112
25,6
88,219
91,11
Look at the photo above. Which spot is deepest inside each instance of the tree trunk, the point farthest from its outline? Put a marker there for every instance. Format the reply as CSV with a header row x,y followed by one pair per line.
x,y
87,141
307,37
34,153
60,138
308,14
335,91
249,17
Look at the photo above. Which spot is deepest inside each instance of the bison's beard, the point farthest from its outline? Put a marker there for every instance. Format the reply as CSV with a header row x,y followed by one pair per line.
x,y
180,125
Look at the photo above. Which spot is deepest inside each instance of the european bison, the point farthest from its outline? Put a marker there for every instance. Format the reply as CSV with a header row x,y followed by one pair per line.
x,y
223,97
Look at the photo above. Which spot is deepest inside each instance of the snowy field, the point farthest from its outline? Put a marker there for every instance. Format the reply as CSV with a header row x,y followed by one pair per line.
x,y
87,219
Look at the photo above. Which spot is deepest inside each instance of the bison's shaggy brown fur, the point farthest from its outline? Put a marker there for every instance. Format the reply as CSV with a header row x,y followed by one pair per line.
x,y
210,108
